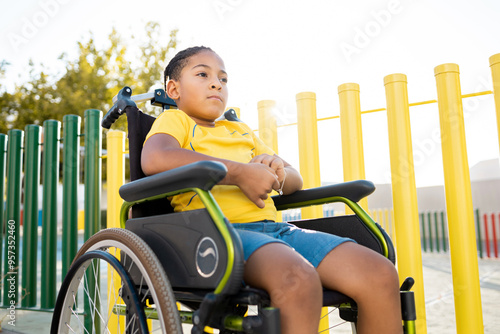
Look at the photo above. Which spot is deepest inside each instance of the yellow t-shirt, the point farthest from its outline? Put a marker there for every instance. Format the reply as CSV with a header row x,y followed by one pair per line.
x,y
227,140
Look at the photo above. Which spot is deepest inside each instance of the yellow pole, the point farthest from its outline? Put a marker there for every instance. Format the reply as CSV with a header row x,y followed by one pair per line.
x,y
308,147
268,129
464,264
404,191
115,179
307,126
115,175
495,75
352,138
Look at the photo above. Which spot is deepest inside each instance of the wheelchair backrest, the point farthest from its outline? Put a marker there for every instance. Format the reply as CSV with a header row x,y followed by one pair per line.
x,y
139,125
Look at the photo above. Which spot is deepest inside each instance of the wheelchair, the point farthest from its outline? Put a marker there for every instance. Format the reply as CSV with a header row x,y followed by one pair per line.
x,y
162,269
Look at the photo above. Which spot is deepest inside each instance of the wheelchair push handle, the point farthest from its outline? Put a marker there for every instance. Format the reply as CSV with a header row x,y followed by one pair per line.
x,y
407,284
123,101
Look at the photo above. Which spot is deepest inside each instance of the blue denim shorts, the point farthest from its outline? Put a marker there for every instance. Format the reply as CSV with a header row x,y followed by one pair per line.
x,y
312,245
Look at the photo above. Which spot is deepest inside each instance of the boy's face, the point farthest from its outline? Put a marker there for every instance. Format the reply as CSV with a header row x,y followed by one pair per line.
x,y
201,91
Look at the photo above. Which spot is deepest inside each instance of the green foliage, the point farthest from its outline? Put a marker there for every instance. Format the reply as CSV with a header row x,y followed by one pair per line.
x,y
89,81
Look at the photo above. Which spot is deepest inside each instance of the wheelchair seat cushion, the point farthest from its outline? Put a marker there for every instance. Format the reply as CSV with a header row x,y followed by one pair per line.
x,y
312,245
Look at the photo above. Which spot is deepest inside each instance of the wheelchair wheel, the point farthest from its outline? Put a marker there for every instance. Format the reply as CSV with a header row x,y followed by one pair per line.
x,y
146,272
83,304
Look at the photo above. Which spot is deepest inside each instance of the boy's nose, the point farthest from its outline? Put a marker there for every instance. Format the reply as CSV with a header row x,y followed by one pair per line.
x,y
216,85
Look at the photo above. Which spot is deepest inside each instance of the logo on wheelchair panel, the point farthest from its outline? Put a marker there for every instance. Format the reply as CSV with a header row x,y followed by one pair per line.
x,y
207,257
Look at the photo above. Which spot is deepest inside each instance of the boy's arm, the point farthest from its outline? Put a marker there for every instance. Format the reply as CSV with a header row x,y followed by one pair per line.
x,y
293,180
162,152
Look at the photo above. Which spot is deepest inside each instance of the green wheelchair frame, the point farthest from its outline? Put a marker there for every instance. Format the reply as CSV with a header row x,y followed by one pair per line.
x,y
219,305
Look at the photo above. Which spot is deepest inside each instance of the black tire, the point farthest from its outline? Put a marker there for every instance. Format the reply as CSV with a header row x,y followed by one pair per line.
x,y
79,288
140,259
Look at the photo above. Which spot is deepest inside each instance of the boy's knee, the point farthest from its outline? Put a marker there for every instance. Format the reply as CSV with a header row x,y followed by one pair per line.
x,y
388,276
297,283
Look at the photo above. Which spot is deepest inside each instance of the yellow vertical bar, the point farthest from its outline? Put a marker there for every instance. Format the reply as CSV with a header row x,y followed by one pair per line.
x,y
307,125
352,138
393,229
268,128
386,219
115,166
404,191
115,175
495,76
462,234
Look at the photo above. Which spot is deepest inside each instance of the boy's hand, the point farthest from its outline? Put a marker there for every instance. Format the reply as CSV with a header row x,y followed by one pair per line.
x,y
273,161
256,181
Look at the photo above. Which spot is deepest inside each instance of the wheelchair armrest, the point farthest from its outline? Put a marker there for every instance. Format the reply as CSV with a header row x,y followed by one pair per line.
x,y
203,175
352,190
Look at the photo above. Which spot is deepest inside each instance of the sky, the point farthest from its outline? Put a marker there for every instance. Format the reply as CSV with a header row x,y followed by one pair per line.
x,y
275,49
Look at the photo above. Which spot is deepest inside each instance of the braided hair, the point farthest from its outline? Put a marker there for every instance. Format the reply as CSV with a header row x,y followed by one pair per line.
x,y
176,64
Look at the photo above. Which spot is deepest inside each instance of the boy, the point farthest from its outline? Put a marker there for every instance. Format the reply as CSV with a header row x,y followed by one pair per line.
x,y
291,264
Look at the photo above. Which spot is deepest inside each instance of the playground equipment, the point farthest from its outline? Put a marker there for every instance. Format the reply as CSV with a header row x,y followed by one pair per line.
x,y
12,172
156,239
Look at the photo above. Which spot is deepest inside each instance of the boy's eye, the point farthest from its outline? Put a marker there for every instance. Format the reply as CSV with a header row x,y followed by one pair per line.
x,y
224,80
202,74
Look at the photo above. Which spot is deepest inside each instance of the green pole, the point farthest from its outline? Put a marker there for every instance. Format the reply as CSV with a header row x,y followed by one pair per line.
x,y
424,242
70,170
479,236
30,217
3,163
443,228
12,218
436,226
92,180
51,138
431,247
92,169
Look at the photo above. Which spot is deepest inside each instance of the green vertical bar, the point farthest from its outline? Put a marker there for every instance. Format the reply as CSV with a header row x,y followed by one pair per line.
x,y
479,236
443,228
92,169
436,225
3,164
70,170
92,180
424,242
429,221
30,217
12,218
51,138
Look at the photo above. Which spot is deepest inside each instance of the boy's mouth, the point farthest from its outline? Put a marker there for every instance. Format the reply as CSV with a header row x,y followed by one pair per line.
x,y
215,97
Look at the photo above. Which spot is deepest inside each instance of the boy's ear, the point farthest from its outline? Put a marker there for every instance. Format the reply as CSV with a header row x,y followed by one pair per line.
x,y
172,89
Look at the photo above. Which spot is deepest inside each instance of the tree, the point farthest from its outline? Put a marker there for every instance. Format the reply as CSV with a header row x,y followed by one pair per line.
x,y
90,81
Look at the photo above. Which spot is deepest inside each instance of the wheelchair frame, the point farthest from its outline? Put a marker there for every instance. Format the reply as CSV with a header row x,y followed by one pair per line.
x,y
208,174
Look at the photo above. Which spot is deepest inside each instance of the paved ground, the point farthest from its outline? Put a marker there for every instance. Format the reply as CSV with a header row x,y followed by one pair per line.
x,y
438,288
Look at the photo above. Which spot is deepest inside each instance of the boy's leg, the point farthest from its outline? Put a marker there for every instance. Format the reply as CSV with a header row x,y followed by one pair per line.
x,y
371,280
292,283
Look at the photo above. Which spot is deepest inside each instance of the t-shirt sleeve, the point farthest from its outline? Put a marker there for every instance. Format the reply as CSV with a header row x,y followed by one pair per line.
x,y
174,123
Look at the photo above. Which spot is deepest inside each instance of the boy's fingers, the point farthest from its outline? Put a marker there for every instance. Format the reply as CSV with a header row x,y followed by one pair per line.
x,y
260,203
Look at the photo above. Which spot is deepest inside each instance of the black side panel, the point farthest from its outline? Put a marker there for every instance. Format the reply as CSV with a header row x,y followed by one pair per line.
x,y
344,226
187,244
